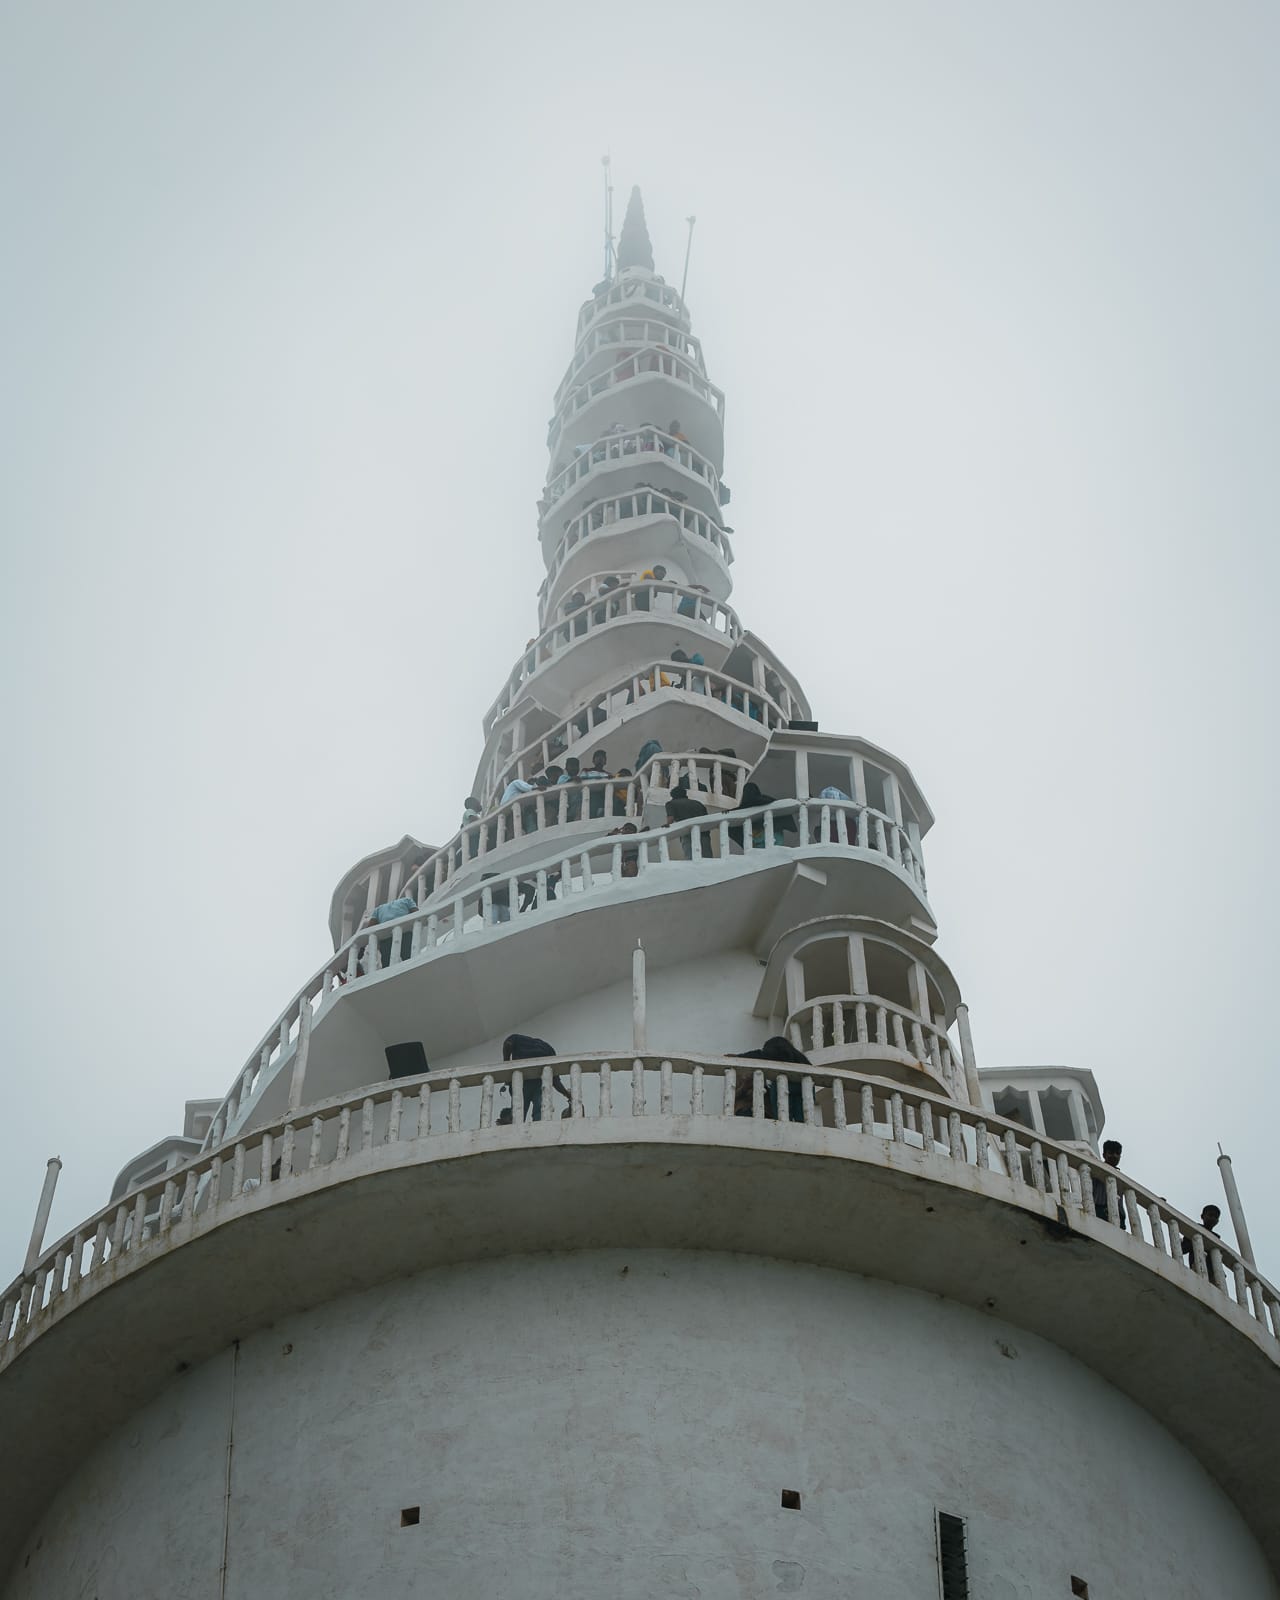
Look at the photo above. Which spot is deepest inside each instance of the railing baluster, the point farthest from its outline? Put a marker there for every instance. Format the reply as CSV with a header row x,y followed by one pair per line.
x,y
575,1090
344,1134
926,1125
957,1136
1012,1159
1037,1166
667,1098
727,1109
868,1109
637,1088
486,1101
895,1113
313,1152
695,1102
606,1089
455,1105
806,1100
981,1149
757,1093
393,1116
837,1103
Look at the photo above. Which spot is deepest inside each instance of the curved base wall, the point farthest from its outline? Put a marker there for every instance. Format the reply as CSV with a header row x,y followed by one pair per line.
x,y
623,1423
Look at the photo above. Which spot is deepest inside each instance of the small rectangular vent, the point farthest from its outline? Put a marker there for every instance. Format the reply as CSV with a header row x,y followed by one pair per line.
x,y
791,1499
410,1516
953,1558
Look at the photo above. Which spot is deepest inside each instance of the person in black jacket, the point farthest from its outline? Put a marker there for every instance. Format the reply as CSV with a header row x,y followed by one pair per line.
x,y
780,1050
524,1047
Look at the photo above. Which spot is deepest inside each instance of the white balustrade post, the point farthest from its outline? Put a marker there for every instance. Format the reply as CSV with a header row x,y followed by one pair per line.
x,y
969,1058
52,1168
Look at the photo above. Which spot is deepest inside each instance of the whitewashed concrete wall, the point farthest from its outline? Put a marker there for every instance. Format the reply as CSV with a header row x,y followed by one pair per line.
x,y
623,1424
703,1007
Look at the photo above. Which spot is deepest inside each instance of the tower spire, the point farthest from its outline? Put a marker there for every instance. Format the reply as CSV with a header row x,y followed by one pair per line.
x,y
634,249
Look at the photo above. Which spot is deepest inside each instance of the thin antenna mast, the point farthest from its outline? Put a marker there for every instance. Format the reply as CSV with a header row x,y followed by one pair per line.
x,y
608,219
687,250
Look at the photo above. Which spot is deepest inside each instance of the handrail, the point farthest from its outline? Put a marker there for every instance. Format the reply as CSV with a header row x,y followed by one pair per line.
x,y
624,330
685,605
627,291
744,699
536,887
643,363
416,1114
611,447
611,515
837,1021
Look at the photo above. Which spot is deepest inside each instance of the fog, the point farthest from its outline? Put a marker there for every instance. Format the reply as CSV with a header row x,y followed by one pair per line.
x,y
287,289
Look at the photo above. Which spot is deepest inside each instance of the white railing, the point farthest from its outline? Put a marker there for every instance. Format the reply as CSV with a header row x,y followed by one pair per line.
x,y
629,330
612,516
611,448
866,1021
537,887
643,364
425,1117
586,725
632,294
650,597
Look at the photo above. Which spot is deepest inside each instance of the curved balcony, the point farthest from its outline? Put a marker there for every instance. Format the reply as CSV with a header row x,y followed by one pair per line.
x,y
637,529
656,613
546,819
824,1164
648,380
606,337
651,448
698,706
717,848
630,292
867,1025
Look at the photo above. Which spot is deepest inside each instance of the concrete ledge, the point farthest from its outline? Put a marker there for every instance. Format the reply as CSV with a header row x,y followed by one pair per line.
x,y
861,1204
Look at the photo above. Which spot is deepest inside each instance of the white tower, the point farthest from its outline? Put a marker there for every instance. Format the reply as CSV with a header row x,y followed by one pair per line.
x,y
640,1317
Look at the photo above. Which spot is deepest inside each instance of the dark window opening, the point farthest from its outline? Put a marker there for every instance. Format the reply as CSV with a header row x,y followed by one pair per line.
x,y
791,1499
953,1559
1080,1587
410,1516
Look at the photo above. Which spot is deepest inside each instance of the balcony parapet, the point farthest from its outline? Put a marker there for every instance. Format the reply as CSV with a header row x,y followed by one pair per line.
x,y
631,447
584,805
654,1097
765,834
605,335
629,293
648,600
623,513
867,1024
648,362
741,703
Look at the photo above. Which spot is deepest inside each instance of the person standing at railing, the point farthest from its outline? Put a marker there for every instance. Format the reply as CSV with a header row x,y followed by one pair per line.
x,y
784,1052
681,807
391,911
597,774
1210,1217
654,574
621,793
524,1047
1112,1150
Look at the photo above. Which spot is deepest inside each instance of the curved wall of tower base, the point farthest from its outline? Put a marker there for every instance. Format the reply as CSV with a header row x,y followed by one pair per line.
x,y
624,1423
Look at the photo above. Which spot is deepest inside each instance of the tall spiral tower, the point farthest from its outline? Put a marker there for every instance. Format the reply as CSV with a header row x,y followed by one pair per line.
x,y
620,1208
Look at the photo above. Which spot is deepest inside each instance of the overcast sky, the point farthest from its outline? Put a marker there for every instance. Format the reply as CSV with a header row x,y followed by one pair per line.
x,y
286,291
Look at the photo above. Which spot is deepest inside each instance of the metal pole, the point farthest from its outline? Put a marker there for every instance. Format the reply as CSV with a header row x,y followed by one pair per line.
x,y
51,1172
608,219
639,1042
687,249
1235,1208
968,1057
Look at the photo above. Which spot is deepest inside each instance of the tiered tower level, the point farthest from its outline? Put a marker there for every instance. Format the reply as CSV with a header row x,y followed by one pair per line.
x,y
874,1323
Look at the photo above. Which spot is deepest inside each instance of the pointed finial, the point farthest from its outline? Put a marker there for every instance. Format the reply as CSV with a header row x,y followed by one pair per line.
x,y
634,249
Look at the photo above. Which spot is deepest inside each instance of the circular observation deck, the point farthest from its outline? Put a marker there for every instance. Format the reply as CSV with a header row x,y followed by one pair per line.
x,y
612,338
633,531
610,466
651,388
484,959
632,623
633,291
641,1152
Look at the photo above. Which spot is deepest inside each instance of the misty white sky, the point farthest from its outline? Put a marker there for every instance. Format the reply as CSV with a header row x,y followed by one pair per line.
x,y
286,291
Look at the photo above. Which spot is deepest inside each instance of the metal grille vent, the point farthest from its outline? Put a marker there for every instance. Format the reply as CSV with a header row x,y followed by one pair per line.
x,y
953,1558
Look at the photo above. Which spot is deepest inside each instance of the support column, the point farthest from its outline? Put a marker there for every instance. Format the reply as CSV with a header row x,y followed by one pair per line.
x,y
968,1057
639,1002
301,1051
1235,1208
51,1171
